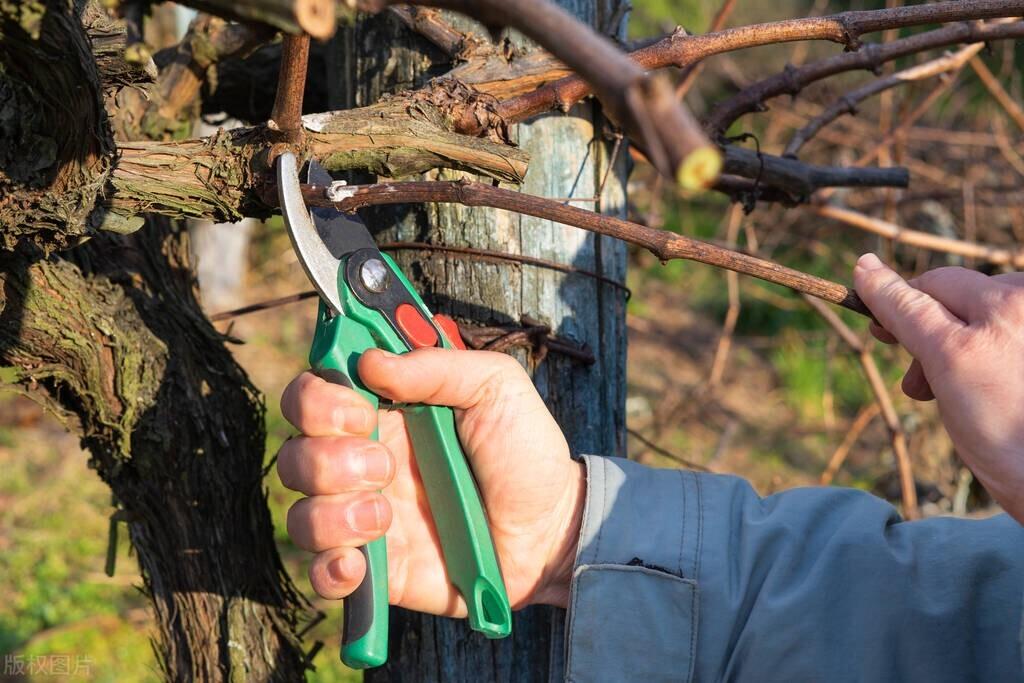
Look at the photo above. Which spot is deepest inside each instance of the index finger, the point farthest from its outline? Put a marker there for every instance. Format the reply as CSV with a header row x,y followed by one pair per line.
x,y
318,408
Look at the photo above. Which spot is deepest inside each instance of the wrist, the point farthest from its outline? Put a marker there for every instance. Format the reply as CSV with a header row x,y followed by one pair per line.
x,y
555,585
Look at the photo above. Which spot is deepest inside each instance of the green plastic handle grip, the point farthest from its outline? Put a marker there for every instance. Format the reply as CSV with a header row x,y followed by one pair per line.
x,y
338,342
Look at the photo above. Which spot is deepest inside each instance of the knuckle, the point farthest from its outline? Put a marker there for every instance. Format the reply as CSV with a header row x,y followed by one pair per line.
x,y
502,371
319,579
321,527
316,524
313,465
297,523
957,354
883,286
996,300
875,281
508,371
286,463
906,301
506,363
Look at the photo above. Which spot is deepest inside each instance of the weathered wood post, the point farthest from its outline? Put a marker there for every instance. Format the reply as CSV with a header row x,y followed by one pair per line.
x,y
569,157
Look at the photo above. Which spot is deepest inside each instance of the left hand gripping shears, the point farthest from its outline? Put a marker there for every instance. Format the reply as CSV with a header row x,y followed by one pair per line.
x,y
367,303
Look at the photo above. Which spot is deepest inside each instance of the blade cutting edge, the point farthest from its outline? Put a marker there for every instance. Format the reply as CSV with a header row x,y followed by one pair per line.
x,y
320,264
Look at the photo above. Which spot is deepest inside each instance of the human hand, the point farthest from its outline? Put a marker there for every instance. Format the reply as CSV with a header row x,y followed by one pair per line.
x,y
532,491
965,331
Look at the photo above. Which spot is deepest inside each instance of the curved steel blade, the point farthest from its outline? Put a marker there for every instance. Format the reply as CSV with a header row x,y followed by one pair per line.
x,y
320,264
342,233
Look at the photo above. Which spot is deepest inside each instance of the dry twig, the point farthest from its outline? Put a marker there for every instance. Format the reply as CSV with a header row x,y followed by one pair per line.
x,y
997,90
793,80
860,423
662,243
849,102
881,392
691,72
665,452
732,315
924,240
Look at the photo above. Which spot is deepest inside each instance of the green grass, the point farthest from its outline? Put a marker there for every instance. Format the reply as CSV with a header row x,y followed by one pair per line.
x,y
57,601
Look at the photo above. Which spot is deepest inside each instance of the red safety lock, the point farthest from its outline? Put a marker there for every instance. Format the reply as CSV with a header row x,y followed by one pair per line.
x,y
451,330
416,328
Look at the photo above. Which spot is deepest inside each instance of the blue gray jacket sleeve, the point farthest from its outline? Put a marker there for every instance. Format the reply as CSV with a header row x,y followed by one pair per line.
x,y
694,577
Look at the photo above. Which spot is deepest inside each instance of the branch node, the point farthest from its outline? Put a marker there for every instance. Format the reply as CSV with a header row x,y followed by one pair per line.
x,y
850,36
849,104
791,81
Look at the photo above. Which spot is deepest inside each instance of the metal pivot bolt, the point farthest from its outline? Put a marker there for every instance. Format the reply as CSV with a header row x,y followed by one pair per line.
x,y
375,275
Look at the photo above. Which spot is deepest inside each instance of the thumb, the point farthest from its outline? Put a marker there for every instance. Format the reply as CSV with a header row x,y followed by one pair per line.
x,y
444,377
918,321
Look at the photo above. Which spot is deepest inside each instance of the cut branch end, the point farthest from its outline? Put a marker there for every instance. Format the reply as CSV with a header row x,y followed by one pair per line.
x,y
318,18
700,169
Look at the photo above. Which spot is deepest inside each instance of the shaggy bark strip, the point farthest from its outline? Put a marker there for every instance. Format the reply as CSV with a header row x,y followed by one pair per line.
x,y
218,177
49,85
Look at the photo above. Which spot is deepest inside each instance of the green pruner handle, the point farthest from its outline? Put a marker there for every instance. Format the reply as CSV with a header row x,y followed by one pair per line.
x,y
337,344
460,519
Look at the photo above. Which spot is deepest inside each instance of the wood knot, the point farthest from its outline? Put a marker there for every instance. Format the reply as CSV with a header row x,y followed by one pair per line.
x,y
849,35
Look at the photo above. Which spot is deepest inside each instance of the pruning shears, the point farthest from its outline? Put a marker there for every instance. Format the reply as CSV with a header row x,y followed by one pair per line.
x,y
367,303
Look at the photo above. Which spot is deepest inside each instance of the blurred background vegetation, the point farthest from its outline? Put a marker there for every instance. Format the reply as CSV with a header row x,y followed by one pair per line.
x,y
786,398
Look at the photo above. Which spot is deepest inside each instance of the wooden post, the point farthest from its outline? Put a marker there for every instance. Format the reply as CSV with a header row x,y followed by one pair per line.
x,y
569,156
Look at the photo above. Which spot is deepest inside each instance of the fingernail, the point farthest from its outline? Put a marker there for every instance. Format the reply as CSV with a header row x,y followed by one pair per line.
x,y
388,354
376,464
336,569
342,569
365,516
869,262
353,419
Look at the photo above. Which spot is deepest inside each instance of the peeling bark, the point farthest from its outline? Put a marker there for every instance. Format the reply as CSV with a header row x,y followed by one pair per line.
x,y
62,179
49,85
220,177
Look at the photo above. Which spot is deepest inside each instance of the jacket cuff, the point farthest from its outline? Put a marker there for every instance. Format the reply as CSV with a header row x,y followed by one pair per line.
x,y
634,600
